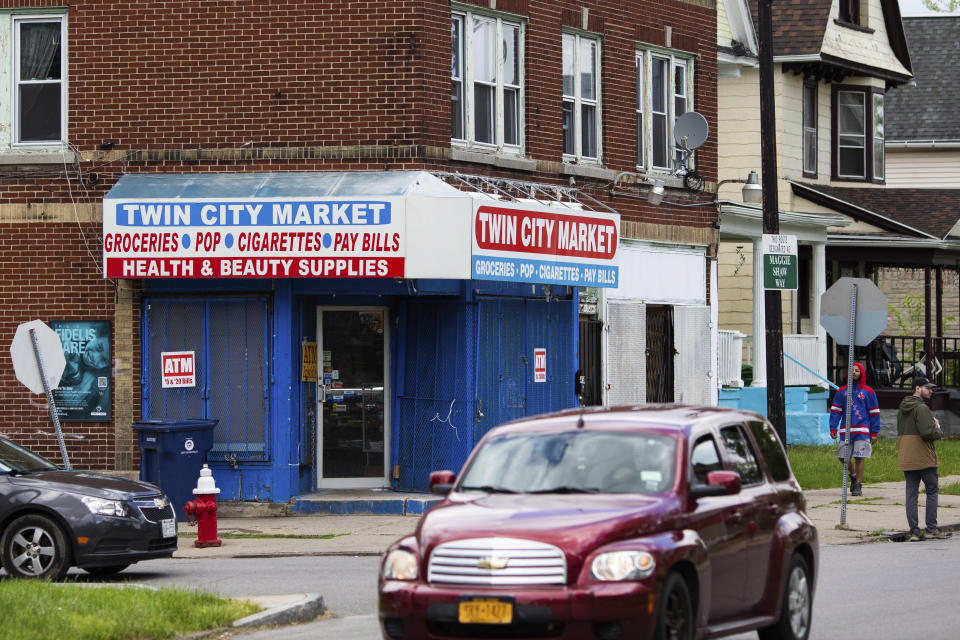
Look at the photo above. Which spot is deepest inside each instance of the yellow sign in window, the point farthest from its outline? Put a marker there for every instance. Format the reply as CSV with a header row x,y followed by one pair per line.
x,y
308,367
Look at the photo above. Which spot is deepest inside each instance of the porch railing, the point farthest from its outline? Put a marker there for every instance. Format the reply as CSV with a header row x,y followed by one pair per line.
x,y
732,347
804,348
892,361
731,357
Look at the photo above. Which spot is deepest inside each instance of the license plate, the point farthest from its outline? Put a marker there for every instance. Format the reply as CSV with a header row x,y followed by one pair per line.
x,y
169,528
486,611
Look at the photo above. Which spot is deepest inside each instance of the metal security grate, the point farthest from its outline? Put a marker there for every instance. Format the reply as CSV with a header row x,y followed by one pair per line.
x,y
497,562
626,346
692,382
230,339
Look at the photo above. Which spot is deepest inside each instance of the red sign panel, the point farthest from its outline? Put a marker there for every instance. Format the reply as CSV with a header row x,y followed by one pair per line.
x,y
179,369
539,365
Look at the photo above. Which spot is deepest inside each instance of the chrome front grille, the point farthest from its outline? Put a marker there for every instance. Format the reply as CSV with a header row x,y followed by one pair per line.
x,y
497,562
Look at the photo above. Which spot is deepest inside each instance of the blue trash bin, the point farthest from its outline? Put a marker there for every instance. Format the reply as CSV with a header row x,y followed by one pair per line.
x,y
172,452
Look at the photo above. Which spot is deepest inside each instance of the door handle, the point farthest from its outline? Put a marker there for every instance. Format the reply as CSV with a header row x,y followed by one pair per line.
x,y
773,508
735,516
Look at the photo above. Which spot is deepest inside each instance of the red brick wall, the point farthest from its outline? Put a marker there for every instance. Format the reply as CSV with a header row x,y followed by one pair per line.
x,y
176,83
46,273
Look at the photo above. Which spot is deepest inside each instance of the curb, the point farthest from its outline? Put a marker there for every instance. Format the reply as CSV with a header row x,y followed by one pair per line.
x,y
293,608
282,554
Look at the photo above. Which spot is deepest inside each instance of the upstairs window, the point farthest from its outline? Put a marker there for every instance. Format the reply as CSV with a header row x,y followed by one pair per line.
x,y
39,65
581,98
858,134
664,87
850,11
878,157
810,128
486,82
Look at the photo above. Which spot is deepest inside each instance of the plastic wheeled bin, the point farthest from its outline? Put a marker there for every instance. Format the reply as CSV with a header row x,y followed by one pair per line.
x,y
172,452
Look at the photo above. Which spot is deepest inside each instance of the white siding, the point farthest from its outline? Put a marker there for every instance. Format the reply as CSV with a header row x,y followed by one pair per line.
x,y
923,169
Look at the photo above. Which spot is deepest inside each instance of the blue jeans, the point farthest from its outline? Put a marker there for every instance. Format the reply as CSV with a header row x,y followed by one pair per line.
x,y
931,486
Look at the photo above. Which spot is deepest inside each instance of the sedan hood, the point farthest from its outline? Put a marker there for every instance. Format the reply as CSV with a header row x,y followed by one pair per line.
x,y
90,484
575,523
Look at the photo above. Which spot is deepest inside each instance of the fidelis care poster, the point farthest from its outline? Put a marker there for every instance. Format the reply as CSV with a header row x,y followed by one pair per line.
x,y
85,390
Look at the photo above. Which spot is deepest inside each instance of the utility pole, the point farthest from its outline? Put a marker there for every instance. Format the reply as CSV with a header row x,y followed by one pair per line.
x,y
776,411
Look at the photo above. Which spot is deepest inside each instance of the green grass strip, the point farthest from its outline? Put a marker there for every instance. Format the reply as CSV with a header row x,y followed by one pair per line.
x,y
35,610
817,467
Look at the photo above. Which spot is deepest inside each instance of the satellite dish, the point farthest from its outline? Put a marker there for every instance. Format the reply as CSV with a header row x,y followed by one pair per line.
x,y
693,127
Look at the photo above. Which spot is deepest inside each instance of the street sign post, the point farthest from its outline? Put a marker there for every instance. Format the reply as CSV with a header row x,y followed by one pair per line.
x,y
854,312
779,262
38,362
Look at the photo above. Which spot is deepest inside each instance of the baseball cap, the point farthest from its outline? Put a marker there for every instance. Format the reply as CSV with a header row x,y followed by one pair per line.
x,y
921,381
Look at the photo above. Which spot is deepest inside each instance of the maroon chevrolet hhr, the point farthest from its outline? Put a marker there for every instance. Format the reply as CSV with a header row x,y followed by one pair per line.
x,y
630,522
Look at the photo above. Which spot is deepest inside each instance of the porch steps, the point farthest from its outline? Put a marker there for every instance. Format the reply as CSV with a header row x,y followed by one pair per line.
x,y
808,417
334,502
363,501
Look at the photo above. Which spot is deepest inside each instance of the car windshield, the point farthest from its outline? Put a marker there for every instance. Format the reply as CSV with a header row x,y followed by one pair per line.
x,y
573,462
14,458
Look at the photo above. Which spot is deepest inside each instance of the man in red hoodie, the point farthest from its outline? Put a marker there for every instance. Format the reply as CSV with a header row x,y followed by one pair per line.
x,y
864,425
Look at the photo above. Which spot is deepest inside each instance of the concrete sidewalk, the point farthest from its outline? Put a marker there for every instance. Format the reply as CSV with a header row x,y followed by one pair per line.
x,y
874,516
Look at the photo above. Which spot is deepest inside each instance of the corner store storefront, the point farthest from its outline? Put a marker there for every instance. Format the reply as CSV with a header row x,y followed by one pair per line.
x,y
350,330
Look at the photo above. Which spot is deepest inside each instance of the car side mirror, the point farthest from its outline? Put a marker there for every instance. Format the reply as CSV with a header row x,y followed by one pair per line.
x,y
719,483
441,482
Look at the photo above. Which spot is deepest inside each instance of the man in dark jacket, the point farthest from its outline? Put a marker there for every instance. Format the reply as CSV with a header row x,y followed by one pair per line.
x,y
917,430
864,425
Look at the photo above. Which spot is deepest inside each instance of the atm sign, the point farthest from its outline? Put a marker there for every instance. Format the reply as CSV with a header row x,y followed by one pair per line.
x,y
179,369
539,365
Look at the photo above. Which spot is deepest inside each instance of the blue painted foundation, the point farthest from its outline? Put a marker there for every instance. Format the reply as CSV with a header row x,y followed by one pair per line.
x,y
808,420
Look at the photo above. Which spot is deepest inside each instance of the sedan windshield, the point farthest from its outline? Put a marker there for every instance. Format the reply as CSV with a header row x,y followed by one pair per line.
x,y
18,459
573,462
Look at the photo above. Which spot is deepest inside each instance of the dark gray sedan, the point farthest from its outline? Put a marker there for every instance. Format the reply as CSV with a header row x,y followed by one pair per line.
x,y
52,519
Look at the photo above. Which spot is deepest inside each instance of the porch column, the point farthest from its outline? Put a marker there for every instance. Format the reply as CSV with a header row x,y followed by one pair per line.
x,y
759,319
819,286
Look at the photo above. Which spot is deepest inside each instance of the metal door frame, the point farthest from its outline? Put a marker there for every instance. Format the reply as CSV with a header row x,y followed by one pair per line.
x,y
354,483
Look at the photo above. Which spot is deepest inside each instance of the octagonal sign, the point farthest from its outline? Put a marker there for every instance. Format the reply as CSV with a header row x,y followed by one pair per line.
x,y
25,361
871,312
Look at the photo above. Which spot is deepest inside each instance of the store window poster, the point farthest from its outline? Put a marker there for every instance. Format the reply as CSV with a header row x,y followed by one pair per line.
x,y
84,394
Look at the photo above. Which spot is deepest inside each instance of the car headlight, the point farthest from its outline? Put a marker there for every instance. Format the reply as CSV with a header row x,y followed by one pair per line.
x,y
400,565
623,565
103,507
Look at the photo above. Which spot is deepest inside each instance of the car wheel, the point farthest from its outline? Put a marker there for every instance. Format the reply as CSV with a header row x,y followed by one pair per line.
x,y
105,571
675,617
797,611
34,546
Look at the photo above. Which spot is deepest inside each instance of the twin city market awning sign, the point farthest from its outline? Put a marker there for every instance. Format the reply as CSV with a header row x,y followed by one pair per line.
x,y
514,243
779,262
436,234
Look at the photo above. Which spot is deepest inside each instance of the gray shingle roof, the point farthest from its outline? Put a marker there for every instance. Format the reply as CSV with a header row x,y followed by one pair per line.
x,y
928,111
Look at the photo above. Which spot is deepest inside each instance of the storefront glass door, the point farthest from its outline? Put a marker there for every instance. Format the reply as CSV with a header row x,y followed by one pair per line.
x,y
352,393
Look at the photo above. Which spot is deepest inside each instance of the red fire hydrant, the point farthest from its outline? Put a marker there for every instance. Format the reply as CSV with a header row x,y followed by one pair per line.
x,y
204,508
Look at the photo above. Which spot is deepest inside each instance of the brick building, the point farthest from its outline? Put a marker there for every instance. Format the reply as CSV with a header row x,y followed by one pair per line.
x,y
117,107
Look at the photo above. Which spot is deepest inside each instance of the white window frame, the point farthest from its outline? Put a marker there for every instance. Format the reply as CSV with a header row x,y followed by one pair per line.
x,y
862,135
578,101
645,57
878,133
641,120
807,132
18,20
466,16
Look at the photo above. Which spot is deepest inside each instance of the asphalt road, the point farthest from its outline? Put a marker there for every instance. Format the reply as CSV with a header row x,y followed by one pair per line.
x,y
884,591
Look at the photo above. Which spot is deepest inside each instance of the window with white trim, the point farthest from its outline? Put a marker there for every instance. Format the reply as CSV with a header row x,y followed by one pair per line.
x,y
664,90
39,69
810,127
487,82
581,98
641,138
858,134
878,157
